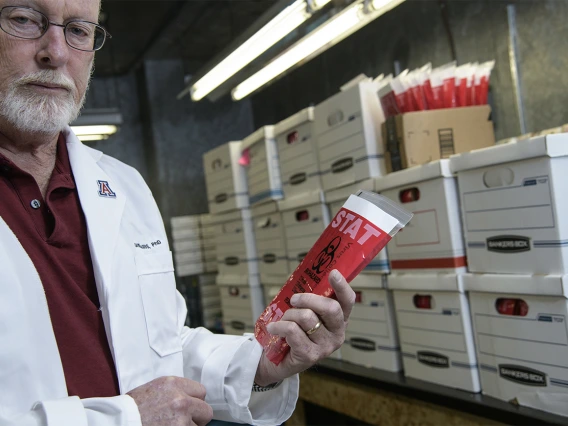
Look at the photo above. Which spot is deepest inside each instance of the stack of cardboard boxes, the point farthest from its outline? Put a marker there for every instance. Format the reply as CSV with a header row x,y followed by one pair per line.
x,y
514,216
350,154
194,254
265,186
238,278
428,262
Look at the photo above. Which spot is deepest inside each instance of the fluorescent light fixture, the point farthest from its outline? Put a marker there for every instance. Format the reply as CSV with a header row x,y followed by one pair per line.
x,y
274,31
94,130
90,138
94,133
96,124
331,32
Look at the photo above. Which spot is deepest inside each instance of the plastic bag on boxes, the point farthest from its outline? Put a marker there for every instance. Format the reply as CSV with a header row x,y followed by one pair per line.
x,y
481,83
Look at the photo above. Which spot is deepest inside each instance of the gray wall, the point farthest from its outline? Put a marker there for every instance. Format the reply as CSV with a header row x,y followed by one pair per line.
x,y
180,133
414,34
126,145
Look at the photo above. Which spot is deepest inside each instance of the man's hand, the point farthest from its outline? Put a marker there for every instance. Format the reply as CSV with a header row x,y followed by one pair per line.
x,y
307,350
172,401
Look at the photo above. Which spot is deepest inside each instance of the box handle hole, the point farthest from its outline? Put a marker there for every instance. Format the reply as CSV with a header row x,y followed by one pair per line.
x,y
512,307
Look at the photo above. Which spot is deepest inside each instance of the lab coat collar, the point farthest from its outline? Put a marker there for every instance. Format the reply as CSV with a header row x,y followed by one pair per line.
x,y
103,210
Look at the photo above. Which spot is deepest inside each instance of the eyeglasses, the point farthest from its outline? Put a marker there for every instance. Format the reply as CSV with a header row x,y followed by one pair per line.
x,y
27,23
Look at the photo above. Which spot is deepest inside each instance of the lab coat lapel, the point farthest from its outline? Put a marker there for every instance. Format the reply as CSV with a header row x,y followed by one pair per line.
x,y
103,209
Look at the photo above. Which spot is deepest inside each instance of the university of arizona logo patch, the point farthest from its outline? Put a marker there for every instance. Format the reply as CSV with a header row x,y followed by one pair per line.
x,y
104,189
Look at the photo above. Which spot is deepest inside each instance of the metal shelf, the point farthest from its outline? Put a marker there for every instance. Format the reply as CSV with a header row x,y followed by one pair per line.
x,y
476,404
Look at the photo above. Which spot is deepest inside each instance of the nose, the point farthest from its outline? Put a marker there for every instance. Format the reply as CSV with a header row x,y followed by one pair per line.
x,y
53,49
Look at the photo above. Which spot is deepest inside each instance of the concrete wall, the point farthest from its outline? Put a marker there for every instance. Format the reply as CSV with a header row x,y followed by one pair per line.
x,y
414,33
181,132
127,145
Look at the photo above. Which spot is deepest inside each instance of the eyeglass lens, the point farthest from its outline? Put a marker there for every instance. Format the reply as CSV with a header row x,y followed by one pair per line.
x,y
29,24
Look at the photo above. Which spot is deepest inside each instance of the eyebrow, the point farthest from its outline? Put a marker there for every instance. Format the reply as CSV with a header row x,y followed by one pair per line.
x,y
34,4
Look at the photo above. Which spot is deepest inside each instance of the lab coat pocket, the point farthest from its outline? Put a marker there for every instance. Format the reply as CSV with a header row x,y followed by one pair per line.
x,y
158,289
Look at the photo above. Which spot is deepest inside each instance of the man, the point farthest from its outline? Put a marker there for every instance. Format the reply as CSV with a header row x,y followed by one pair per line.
x,y
91,326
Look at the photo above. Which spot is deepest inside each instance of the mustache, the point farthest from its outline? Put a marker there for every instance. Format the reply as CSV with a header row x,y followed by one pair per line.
x,y
46,77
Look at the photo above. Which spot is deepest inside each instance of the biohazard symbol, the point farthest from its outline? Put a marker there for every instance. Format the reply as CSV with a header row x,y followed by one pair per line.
x,y
326,256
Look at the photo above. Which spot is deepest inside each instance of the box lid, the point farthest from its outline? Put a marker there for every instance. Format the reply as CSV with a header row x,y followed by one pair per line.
x,y
540,285
264,209
231,216
343,193
229,146
294,121
266,132
205,219
185,221
426,282
432,170
238,280
369,281
302,200
540,146
361,78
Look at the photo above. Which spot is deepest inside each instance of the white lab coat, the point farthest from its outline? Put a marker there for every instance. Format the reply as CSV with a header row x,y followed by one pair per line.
x,y
143,316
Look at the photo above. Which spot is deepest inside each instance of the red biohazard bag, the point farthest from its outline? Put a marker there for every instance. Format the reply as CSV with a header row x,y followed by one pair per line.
x,y
481,83
357,233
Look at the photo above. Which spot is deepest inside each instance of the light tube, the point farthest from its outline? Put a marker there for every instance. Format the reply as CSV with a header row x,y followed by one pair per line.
x,y
94,130
90,138
334,30
274,31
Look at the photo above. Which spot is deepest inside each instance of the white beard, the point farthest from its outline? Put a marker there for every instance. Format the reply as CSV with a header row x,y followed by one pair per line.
x,y
30,111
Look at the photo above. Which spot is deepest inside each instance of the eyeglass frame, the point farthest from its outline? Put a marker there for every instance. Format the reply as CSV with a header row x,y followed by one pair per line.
x,y
64,26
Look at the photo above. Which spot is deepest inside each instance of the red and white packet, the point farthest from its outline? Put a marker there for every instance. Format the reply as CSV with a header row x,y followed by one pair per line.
x,y
357,233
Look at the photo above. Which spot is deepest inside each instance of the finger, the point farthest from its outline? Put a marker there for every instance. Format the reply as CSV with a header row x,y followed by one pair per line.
x,y
191,387
305,318
201,412
343,292
329,310
294,335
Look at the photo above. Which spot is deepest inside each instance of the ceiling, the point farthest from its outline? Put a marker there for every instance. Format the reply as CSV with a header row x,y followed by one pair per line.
x,y
193,30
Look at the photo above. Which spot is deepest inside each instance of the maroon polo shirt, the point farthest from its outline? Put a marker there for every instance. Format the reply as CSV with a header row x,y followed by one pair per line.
x,y
54,234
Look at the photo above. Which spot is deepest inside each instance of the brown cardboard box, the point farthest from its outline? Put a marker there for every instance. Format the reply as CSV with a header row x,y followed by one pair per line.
x,y
417,138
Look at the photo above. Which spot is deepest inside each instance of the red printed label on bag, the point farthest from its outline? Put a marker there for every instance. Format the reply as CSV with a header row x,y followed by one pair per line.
x,y
348,244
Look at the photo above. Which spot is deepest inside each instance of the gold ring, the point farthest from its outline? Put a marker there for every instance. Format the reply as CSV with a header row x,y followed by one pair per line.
x,y
314,329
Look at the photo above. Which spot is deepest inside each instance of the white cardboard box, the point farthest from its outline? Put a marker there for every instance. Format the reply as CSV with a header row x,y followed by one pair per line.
x,y
225,178
270,292
270,243
304,223
522,357
437,342
186,228
235,245
263,171
371,338
241,305
190,221
433,240
188,256
335,198
186,270
514,207
348,136
208,243
297,154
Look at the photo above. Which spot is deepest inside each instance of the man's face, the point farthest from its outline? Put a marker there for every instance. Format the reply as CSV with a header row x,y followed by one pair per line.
x,y
43,82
